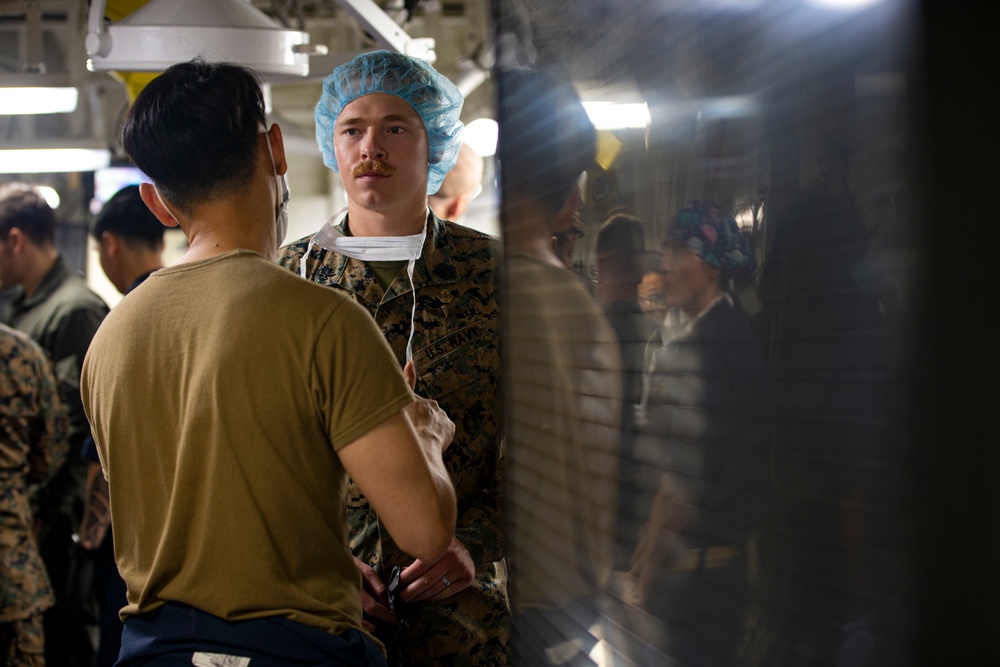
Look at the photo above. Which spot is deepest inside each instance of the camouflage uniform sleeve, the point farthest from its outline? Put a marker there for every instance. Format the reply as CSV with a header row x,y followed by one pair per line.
x,y
50,430
290,255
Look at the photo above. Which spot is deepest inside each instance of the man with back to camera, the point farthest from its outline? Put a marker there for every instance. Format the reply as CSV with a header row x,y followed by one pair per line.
x,y
563,373
259,393
390,125
58,311
33,444
129,240
459,187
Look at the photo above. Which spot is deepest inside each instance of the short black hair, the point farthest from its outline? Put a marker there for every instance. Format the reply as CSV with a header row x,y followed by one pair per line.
x,y
24,207
546,139
623,233
194,130
126,215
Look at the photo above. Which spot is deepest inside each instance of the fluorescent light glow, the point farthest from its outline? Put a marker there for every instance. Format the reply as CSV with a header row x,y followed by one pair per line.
x,y
613,116
50,194
481,135
843,4
53,160
736,106
19,101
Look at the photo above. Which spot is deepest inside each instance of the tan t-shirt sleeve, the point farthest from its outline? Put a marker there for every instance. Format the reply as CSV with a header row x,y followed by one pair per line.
x,y
357,382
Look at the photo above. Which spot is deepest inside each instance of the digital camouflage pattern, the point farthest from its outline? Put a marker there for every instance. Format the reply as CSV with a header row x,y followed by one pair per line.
x,y
457,362
33,444
22,643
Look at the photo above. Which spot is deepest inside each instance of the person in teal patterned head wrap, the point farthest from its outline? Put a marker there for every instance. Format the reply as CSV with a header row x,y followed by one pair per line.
x,y
702,251
705,229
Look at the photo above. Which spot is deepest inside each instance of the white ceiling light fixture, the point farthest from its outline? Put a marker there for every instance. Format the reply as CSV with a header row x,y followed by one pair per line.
x,y
50,195
617,116
481,136
164,32
843,4
53,160
21,95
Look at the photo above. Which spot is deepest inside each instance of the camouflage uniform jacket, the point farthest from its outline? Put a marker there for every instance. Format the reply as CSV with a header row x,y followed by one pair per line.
x,y
33,444
457,362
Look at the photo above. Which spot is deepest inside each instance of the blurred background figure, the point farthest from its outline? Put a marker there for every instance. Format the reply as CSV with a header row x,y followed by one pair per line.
x,y
563,369
460,186
703,415
33,445
619,247
564,240
831,360
652,298
129,239
130,246
54,306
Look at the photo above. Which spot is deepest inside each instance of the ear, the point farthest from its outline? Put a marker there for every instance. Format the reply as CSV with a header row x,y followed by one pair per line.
x,y
16,240
713,272
277,149
456,207
112,243
148,193
564,218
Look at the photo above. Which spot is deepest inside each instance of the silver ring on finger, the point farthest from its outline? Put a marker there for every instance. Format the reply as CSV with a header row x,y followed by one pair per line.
x,y
447,582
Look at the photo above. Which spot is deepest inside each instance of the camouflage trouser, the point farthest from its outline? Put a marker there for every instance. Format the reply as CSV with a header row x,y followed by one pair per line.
x,y
22,643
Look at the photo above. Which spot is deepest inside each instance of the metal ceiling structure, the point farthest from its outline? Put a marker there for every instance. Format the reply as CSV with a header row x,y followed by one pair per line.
x,y
293,43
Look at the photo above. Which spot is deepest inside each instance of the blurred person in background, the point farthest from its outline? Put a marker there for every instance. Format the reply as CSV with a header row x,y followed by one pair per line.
x,y
58,311
459,188
703,414
389,124
563,394
564,238
33,445
619,246
129,240
652,298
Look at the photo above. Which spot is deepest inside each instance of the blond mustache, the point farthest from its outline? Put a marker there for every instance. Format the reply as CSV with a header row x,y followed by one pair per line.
x,y
372,167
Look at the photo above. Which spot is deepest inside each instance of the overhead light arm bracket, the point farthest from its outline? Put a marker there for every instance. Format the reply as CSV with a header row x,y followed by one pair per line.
x,y
388,34
97,41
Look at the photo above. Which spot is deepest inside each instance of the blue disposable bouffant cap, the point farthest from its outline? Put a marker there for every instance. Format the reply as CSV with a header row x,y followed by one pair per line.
x,y
436,100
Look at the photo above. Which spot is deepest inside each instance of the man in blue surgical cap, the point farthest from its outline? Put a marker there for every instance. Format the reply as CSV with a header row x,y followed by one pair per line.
x,y
389,124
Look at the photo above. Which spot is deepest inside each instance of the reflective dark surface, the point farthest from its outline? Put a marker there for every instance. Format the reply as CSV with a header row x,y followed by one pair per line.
x,y
826,131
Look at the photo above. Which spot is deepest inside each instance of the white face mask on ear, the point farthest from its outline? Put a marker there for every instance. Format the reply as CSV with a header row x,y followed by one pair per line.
x,y
164,203
281,215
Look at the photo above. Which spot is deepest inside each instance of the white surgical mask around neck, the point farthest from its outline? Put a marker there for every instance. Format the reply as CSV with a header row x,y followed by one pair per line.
x,y
371,249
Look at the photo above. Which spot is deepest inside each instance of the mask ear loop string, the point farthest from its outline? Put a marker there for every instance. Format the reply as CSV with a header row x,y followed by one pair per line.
x,y
413,312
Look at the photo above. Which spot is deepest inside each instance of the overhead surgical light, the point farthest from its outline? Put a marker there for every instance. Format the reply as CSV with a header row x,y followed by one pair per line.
x,y
165,32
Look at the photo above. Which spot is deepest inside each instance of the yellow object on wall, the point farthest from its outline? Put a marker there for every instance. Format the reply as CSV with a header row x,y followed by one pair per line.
x,y
134,82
